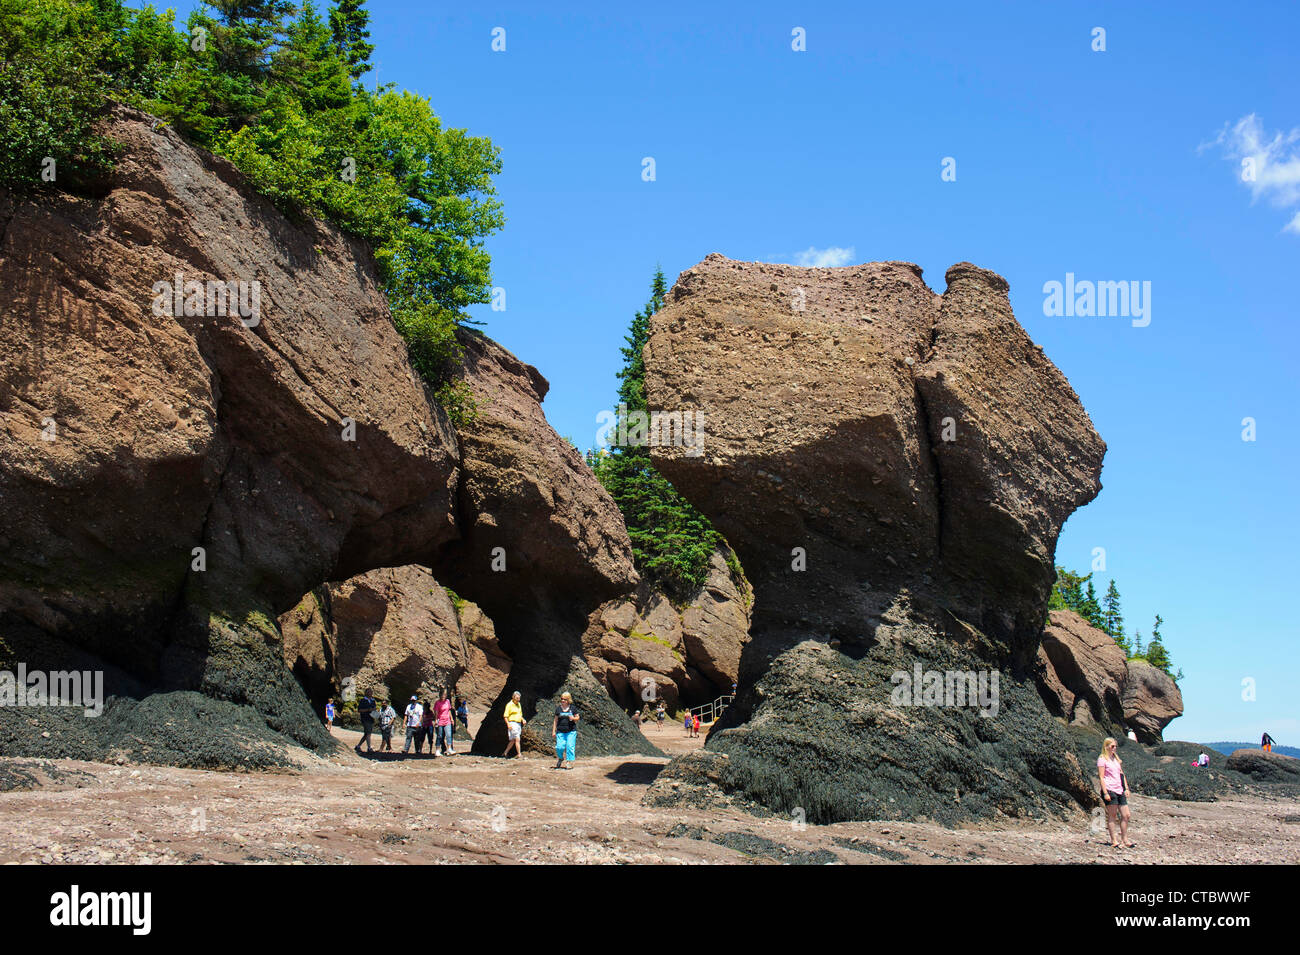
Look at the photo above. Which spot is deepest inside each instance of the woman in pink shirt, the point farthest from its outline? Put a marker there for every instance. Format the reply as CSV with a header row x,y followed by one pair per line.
x,y
1114,792
442,716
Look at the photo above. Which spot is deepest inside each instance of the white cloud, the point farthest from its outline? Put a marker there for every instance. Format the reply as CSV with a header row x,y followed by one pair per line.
x,y
1268,164
824,258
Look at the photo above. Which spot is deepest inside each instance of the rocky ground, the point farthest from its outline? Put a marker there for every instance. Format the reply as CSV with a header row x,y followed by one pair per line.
x,y
480,809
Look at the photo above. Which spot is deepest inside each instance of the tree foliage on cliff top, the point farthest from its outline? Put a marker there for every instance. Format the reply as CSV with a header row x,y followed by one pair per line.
x,y
274,87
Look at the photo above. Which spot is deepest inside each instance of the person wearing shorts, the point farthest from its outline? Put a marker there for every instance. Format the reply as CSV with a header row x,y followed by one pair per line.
x,y
514,725
1114,793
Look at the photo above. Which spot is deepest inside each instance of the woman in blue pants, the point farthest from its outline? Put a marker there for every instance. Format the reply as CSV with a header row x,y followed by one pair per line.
x,y
564,730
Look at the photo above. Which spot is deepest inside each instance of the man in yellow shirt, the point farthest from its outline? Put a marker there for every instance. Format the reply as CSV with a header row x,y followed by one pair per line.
x,y
514,725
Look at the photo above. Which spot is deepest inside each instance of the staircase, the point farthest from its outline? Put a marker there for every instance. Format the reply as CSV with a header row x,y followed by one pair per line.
x,y
711,711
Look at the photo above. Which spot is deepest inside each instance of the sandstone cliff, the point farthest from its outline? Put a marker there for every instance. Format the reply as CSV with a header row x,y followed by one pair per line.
x,y
174,478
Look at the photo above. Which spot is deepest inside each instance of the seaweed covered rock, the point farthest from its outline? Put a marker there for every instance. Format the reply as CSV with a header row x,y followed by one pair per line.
x,y
893,468
1265,767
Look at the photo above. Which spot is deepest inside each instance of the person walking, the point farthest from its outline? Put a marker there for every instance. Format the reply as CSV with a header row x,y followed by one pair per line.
x,y
695,720
688,723
564,730
426,729
387,719
329,713
636,719
443,720
1266,743
462,713
1114,793
366,710
660,715
514,725
413,723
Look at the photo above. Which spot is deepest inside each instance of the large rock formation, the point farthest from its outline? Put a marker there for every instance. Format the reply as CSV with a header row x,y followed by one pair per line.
x,y
1151,700
893,468
175,478
1086,679
396,632
1265,767
645,648
1082,673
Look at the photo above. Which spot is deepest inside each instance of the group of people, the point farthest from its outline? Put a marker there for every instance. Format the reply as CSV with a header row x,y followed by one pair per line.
x,y
656,716
433,723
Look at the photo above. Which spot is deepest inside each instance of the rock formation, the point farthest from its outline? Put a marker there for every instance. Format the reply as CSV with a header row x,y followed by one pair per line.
x,y
1265,767
1082,673
893,468
687,656
394,631
1151,700
1085,678
176,473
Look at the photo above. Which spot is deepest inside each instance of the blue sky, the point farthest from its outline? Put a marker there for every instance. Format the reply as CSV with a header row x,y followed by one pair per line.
x,y
1115,165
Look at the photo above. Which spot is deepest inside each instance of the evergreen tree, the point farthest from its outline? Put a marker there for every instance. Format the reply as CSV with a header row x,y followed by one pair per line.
x,y
1156,654
1090,608
1138,652
672,542
1113,618
349,24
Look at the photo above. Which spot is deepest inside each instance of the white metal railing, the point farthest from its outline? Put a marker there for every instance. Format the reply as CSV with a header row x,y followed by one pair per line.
x,y
709,712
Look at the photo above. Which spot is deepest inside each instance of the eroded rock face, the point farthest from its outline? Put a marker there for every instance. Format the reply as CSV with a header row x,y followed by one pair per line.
x,y
1084,672
295,446
132,437
1151,700
542,546
395,632
893,468
643,648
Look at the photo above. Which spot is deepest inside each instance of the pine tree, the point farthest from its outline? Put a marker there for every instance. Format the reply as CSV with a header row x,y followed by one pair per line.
x,y
349,22
1138,652
1090,608
1157,655
672,542
1113,618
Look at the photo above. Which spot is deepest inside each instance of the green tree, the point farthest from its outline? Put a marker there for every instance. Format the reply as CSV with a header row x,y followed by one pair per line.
x,y
350,27
672,542
1112,617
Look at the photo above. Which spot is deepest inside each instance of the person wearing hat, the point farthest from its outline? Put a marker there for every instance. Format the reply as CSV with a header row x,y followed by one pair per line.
x,y
564,730
387,717
414,724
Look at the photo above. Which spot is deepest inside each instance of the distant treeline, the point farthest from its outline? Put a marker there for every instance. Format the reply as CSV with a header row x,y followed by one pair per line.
x,y
1076,592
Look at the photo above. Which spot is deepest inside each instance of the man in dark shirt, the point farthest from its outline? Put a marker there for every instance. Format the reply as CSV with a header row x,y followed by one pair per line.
x,y
366,710
564,730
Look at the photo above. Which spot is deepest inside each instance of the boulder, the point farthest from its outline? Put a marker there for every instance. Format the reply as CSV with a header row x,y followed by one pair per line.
x,y
1084,672
1265,767
1151,700
893,468
694,649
